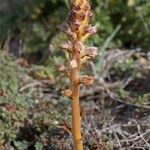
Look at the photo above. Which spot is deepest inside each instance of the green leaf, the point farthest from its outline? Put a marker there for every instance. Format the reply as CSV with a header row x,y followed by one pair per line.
x,y
38,146
20,145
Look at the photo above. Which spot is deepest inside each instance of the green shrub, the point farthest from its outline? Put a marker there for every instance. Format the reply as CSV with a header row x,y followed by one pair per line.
x,y
35,22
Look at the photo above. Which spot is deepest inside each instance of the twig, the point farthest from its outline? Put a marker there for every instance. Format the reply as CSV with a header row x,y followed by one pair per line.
x,y
141,135
29,85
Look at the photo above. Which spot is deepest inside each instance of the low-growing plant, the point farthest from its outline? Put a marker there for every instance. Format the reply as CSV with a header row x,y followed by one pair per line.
x,y
13,104
78,28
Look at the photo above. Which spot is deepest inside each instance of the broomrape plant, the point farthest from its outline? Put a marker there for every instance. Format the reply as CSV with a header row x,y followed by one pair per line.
x,y
77,27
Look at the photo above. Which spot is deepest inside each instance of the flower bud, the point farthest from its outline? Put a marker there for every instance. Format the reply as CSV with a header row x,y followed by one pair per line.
x,y
91,51
87,7
67,93
63,27
82,16
91,30
66,29
66,46
87,80
88,31
77,24
90,15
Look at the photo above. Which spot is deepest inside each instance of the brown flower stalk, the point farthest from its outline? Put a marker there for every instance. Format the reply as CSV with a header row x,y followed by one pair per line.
x,y
78,28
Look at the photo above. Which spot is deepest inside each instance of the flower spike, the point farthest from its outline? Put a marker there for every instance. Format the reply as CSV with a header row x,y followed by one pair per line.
x,y
78,28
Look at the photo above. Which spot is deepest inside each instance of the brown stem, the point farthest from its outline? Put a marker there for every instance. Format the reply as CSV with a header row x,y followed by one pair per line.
x,y
75,105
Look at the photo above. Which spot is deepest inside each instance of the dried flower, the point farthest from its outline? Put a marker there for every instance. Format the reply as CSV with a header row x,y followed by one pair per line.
x,y
67,93
87,80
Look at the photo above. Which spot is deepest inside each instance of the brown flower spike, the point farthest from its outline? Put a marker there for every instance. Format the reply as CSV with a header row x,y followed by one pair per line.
x,y
78,28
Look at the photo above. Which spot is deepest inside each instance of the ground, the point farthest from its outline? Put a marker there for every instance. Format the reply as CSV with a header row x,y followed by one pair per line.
x,y
116,109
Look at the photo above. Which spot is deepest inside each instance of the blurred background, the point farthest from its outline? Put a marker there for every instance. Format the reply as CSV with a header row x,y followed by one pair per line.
x,y
29,54
29,26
